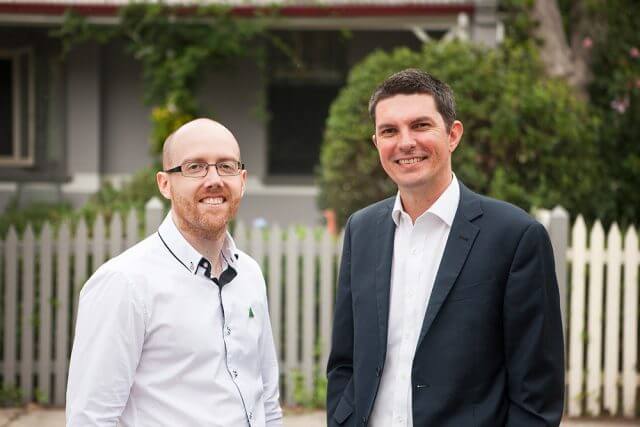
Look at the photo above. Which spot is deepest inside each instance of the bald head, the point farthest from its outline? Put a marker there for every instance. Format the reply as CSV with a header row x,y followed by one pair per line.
x,y
196,131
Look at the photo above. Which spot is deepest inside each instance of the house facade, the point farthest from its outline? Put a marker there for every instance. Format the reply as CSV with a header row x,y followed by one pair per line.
x,y
67,125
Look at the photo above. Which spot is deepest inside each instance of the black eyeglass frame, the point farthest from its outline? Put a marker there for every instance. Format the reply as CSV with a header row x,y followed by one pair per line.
x,y
178,168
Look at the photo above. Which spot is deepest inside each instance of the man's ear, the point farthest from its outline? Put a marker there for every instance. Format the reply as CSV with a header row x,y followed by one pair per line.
x,y
244,182
373,138
455,135
162,179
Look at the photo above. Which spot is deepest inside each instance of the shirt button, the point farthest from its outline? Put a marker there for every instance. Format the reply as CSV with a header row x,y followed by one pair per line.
x,y
250,415
413,251
228,330
235,373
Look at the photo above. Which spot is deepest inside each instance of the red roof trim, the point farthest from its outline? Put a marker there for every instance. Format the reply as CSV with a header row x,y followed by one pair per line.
x,y
290,11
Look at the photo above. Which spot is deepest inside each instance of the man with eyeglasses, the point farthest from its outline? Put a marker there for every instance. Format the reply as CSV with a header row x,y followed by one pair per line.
x,y
175,331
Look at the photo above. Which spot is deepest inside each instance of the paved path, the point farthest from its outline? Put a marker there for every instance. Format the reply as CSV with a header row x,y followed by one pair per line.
x,y
34,416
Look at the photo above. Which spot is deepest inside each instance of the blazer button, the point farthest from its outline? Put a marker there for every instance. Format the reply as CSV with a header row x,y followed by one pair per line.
x,y
364,421
378,371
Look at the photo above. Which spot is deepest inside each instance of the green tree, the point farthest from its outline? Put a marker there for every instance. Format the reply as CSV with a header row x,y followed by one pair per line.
x,y
615,92
527,139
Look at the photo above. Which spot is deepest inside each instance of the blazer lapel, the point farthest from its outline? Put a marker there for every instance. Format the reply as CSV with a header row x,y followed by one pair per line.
x,y
461,237
385,232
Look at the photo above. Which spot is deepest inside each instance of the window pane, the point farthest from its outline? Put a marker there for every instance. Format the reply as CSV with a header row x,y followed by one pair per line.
x,y
302,84
6,107
298,115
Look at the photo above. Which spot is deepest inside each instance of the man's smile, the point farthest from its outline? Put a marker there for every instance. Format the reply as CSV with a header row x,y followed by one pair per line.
x,y
213,200
410,161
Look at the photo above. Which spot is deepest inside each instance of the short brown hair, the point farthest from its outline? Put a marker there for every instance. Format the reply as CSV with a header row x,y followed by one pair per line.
x,y
412,81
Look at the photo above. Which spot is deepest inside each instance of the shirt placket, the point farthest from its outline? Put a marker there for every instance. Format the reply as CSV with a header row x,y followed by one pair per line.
x,y
400,413
414,267
232,367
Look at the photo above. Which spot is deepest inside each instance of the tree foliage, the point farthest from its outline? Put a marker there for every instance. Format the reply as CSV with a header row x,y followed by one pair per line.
x,y
527,139
605,35
615,92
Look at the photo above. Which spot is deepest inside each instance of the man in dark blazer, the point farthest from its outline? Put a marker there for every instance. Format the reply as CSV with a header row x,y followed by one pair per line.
x,y
447,310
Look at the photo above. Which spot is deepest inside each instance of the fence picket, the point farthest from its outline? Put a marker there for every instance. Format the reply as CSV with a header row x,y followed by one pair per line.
x,y
28,292
576,328
291,314
612,323
630,323
62,314
115,235
132,236
98,246
44,309
80,254
153,212
308,308
594,340
256,246
10,304
326,295
274,286
240,236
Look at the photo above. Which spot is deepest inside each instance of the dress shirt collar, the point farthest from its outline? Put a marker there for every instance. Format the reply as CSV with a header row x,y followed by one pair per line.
x,y
445,206
182,250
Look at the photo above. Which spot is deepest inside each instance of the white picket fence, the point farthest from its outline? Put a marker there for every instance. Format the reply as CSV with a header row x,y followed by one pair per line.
x,y
608,335
42,275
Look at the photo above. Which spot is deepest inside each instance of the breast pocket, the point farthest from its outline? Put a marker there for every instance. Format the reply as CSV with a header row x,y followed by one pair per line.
x,y
473,290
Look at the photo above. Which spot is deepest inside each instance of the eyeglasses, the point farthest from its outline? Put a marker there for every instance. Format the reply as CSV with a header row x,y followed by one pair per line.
x,y
200,169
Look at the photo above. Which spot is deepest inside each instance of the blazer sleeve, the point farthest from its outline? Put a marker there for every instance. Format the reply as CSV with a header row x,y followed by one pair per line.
x,y
340,364
534,347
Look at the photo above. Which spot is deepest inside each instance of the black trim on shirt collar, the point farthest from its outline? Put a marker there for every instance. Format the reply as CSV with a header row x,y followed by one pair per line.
x,y
225,277
174,255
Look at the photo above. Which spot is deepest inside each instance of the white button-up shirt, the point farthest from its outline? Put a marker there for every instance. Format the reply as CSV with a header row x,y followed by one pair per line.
x,y
159,343
417,253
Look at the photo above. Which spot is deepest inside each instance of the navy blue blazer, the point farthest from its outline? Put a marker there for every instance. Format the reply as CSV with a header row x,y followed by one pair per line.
x,y
490,351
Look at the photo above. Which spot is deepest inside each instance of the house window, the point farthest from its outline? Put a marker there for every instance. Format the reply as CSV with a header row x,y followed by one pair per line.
x,y
17,106
304,79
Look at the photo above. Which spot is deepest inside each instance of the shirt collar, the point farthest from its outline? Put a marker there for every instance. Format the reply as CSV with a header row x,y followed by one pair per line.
x,y
445,206
186,254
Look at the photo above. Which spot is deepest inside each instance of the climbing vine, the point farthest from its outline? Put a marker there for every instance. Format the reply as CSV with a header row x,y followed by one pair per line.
x,y
175,49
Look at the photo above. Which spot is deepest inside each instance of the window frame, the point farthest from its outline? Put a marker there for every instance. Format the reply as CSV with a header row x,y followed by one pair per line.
x,y
19,140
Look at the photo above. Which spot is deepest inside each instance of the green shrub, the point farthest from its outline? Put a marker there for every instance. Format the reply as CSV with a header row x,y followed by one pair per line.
x,y
134,194
10,396
35,214
107,201
527,139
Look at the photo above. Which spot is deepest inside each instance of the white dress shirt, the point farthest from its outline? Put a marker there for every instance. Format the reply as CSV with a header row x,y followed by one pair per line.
x,y
417,252
159,343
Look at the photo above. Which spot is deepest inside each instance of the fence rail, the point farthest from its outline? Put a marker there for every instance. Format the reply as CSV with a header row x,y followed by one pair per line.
x,y
43,274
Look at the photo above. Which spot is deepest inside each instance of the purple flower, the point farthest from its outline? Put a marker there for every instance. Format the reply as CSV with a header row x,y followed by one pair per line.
x,y
620,105
634,52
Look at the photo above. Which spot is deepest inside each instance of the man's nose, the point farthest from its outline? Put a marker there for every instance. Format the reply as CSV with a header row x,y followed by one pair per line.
x,y
212,178
407,142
